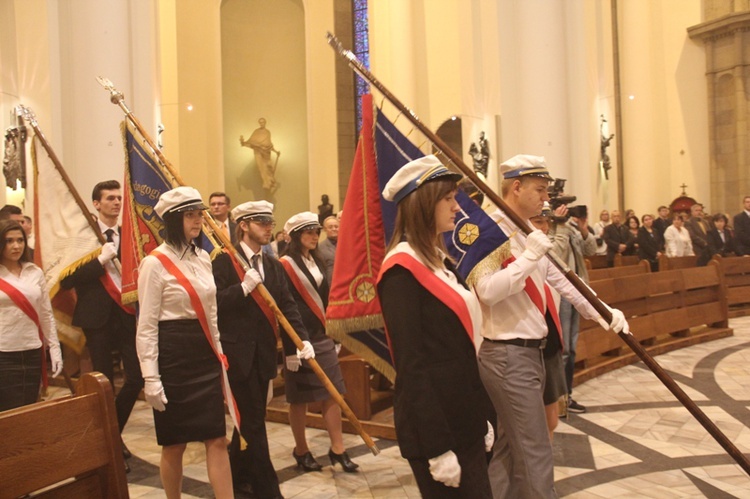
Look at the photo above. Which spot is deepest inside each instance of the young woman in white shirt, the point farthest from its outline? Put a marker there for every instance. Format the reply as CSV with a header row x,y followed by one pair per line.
x,y
178,345
27,326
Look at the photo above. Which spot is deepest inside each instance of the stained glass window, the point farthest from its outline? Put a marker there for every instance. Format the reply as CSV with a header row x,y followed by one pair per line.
x,y
362,51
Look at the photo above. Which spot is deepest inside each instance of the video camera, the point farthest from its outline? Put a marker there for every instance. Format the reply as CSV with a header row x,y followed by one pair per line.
x,y
557,198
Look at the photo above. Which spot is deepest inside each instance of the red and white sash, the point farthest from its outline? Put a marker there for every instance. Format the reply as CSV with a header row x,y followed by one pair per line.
x,y
305,288
536,297
27,308
255,294
200,311
115,291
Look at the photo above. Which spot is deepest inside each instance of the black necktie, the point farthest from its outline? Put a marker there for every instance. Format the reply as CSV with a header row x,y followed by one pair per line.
x,y
256,262
109,233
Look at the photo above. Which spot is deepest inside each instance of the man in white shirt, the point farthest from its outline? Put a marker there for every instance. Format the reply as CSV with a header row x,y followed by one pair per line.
x,y
220,206
514,303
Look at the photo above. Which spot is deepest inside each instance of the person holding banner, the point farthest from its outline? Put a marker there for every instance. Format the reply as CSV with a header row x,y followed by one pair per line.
x,y
27,325
306,278
441,408
178,345
516,301
99,311
249,332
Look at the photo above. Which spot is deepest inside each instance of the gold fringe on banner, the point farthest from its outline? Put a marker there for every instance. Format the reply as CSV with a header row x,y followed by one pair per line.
x,y
489,264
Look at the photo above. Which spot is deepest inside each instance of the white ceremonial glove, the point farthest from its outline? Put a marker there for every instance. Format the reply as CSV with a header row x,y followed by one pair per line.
x,y
489,438
109,251
337,347
154,391
251,280
293,363
618,324
56,360
307,351
537,244
445,469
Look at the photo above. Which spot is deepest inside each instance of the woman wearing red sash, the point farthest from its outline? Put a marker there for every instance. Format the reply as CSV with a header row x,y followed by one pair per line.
x,y
441,408
178,345
306,275
26,322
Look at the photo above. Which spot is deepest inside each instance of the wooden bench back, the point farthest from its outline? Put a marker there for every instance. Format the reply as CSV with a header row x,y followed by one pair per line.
x,y
642,267
736,270
596,262
677,262
74,439
656,305
621,261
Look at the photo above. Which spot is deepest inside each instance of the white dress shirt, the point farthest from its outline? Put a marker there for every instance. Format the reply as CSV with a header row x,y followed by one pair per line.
x,y
162,298
110,265
17,331
507,309
314,270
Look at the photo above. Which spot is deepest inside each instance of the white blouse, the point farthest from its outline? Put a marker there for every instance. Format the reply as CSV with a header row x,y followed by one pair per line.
x,y
677,242
17,331
162,298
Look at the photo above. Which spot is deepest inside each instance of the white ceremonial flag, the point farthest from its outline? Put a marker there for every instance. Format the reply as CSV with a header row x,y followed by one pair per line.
x,y
64,240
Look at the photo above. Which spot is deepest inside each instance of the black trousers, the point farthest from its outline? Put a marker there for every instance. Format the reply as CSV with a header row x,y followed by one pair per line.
x,y
118,333
253,465
475,482
20,375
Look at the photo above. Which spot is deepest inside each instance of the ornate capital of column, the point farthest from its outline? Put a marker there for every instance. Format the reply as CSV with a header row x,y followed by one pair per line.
x,y
720,27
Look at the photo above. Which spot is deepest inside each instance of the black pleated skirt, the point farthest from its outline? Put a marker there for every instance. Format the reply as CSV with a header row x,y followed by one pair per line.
x,y
191,375
304,386
20,376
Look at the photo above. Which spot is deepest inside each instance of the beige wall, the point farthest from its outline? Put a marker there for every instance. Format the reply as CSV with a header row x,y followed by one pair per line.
x,y
263,55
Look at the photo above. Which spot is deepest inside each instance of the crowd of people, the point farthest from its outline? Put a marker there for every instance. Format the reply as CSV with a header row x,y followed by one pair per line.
x,y
480,368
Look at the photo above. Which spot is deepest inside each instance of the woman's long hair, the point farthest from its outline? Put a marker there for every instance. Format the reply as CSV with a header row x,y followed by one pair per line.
x,y
7,226
294,249
415,221
174,231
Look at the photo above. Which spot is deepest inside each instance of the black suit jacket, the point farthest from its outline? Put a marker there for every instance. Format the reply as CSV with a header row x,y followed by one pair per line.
x,y
246,335
314,328
719,247
742,233
614,236
440,402
648,246
94,304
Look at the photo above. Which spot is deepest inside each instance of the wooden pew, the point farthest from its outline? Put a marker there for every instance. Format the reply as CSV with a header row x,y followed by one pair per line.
x,y
69,446
642,267
736,272
665,310
677,262
621,260
363,398
596,262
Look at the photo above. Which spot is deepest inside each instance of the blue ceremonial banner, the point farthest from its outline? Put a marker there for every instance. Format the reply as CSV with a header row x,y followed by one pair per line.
x,y
476,242
142,229
392,150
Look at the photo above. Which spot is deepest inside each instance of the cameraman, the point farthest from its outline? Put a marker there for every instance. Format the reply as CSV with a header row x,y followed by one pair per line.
x,y
572,240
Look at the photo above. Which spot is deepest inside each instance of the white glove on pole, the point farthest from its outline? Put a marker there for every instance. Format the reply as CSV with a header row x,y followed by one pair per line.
x,y
154,391
537,245
55,356
445,469
489,438
250,281
109,251
307,351
618,324
293,363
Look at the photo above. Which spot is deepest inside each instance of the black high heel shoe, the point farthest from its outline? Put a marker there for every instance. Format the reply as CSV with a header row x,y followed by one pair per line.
x,y
343,459
307,461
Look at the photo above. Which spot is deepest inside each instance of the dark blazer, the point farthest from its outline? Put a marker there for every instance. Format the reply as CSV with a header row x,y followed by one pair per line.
x,y
327,254
661,225
649,244
614,236
246,335
719,247
440,403
314,328
699,239
742,233
233,233
94,304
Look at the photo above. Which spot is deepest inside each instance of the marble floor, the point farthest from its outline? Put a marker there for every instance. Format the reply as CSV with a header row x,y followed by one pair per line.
x,y
636,439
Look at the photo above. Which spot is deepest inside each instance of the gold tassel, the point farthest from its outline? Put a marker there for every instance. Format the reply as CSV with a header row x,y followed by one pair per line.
x,y
489,264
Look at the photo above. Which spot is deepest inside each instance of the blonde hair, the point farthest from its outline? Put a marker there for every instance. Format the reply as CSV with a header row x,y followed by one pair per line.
x,y
415,221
